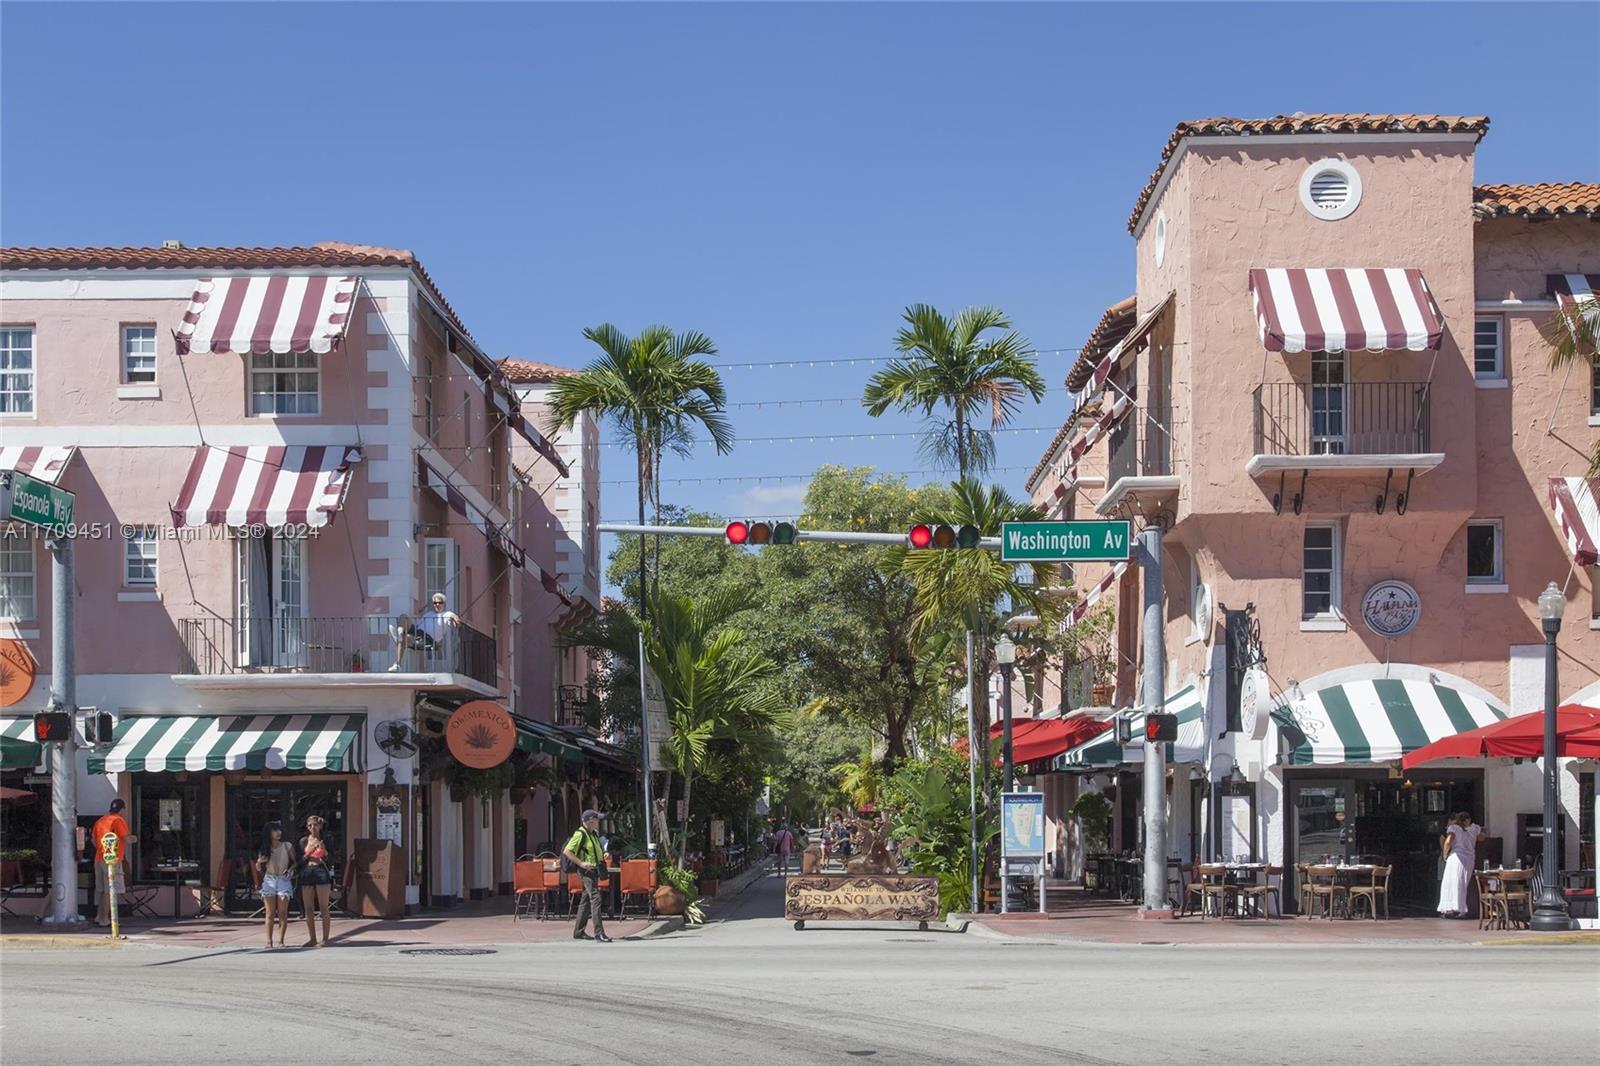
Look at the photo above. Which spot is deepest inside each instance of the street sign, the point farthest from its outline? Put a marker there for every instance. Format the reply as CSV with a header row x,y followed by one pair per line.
x,y
1065,542
37,503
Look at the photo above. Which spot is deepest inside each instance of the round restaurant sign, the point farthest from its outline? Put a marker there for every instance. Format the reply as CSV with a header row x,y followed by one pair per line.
x,y
480,734
1391,608
1255,703
17,671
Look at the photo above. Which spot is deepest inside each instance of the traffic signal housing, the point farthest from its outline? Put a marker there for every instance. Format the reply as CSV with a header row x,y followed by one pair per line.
x,y
748,531
928,535
52,725
1161,728
99,727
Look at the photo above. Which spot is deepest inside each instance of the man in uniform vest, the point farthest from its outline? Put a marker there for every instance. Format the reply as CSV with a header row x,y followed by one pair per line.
x,y
583,850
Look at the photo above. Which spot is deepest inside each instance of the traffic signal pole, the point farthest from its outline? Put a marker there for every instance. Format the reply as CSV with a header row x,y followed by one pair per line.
x,y
822,535
63,752
1155,756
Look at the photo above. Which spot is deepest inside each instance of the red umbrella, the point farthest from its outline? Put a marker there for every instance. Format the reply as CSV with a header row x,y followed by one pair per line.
x,y
1036,739
16,795
1577,737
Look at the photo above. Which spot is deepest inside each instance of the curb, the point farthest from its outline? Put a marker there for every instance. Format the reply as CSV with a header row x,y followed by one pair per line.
x,y
56,940
672,923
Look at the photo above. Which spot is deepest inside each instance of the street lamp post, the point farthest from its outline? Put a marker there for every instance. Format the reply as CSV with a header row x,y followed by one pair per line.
x,y
1005,654
1550,909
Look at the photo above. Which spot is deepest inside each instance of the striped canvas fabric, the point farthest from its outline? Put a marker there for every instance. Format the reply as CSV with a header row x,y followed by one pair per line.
x,y
153,743
46,464
1575,503
1574,293
273,485
18,749
262,313
1330,310
1377,720
1103,751
1120,405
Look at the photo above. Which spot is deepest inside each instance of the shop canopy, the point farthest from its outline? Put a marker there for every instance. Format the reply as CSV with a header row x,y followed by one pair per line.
x,y
153,743
542,738
1577,515
1522,737
1037,739
18,749
1574,294
262,314
1327,310
1104,752
1377,720
46,464
265,485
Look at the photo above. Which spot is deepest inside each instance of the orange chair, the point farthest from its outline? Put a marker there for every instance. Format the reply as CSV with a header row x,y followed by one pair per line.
x,y
214,897
528,885
639,879
554,884
575,893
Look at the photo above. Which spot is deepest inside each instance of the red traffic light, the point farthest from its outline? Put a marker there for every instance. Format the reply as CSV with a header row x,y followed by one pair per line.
x,y
920,536
52,725
737,532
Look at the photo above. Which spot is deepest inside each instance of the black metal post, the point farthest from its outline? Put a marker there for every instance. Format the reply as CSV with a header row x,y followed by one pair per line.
x,y
1550,909
1005,713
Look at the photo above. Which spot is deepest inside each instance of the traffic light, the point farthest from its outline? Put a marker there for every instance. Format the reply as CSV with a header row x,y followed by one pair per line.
x,y
746,531
98,727
1123,727
925,535
1161,728
52,725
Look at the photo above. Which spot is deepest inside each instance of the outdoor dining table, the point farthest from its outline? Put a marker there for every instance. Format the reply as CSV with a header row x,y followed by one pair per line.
x,y
176,868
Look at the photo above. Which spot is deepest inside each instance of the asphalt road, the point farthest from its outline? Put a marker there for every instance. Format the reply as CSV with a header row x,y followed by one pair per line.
x,y
750,988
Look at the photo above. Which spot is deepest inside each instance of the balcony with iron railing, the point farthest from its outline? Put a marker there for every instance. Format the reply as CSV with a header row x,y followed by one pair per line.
x,y
1139,464
380,650
573,703
1358,427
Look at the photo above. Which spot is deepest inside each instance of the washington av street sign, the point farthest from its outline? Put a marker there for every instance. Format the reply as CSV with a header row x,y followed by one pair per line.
x,y
1065,542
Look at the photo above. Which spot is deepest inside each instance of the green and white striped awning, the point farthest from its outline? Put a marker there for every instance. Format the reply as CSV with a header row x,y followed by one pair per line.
x,y
18,749
542,738
152,743
1377,720
1104,751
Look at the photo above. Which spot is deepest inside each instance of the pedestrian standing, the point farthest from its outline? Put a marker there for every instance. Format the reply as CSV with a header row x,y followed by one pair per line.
x,y
316,879
276,862
1459,845
109,879
784,845
583,851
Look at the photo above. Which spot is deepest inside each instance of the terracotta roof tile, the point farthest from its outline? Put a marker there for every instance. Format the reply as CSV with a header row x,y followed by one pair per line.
x,y
1306,124
1119,318
530,372
321,254
1544,200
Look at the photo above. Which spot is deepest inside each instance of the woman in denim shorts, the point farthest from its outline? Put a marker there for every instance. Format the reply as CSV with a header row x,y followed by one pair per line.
x,y
276,864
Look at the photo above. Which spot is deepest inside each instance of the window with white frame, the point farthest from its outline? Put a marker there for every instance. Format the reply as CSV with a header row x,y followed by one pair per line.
x,y
284,384
16,370
439,571
139,355
1320,572
1489,348
139,557
17,581
1485,552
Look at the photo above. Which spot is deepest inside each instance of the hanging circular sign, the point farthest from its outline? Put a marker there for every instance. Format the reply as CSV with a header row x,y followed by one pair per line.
x,y
480,734
17,671
1255,703
1391,608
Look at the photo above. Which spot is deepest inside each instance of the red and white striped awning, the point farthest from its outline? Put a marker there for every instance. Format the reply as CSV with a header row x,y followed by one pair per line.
x,y
1091,597
46,464
511,408
262,313
1573,501
1329,310
1107,421
267,485
439,483
1575,294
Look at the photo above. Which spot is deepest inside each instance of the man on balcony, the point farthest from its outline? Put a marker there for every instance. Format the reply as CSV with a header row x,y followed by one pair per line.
x,y
433,635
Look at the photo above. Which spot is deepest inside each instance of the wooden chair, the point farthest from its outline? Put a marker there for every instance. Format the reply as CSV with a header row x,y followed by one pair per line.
x,y
339,894
1302,887
1492,906
1214,884
1322,884
1516,888
639,879
991,894
1193,890
214,896
1377,890
1261,893
527,887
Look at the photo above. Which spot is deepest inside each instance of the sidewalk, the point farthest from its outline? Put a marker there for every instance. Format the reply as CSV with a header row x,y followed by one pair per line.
x,y
1078,917
488,922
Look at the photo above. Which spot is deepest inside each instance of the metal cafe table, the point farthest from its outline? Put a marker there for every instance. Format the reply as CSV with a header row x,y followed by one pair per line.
x,y
177,868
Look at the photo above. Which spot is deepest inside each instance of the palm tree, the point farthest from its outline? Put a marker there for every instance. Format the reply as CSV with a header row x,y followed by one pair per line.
x,y
860,781
657,389
951,363
966,585
1573,335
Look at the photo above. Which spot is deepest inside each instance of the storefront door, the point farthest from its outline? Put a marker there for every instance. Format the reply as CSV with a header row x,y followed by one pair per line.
x,y
252,806
1319,811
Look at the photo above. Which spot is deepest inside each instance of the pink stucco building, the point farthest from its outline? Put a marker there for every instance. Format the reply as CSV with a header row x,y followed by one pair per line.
x,y
279,457
1332,390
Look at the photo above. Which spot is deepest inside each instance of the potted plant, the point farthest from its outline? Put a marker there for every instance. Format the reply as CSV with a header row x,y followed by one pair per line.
x,y
710,879
674,890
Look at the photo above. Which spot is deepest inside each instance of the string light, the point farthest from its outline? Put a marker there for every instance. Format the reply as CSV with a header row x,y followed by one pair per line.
x,y
813,438
738,478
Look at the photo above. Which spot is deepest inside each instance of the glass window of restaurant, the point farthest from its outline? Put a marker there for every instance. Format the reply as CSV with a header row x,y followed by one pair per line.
x,y
171,819
25,830
254,804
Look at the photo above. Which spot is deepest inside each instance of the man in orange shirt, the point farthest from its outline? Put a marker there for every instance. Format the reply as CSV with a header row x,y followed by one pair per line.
x,y
110,822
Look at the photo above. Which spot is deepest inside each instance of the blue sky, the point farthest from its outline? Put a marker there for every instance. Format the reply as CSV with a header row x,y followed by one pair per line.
x,y
784,178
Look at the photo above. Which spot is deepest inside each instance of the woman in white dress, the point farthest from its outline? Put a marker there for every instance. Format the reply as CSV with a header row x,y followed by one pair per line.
x,y
1459,843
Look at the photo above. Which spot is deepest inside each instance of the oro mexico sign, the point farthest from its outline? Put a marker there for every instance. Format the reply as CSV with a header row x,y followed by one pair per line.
x,y
480,734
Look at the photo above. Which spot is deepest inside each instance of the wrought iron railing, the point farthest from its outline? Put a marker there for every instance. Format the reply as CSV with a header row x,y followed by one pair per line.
x,y
1366,418
572,704
1141,446
367,644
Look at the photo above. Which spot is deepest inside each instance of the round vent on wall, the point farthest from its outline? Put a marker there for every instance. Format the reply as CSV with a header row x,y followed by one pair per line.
x,y
1330,189
1161,238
